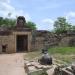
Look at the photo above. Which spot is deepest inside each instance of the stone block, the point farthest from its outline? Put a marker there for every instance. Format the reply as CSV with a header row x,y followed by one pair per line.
x,y
66,72
69,69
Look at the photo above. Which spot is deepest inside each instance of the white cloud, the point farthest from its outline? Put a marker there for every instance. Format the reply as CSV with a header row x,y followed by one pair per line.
x,y
20,13
47,24
70,15
48,21
5,1
5,8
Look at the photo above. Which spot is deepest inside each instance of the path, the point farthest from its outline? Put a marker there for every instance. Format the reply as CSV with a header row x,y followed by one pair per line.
x,y
12,64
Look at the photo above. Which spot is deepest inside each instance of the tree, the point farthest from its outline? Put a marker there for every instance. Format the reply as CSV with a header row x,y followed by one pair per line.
x,y
73,28
1,21
7,22
61,25
31,25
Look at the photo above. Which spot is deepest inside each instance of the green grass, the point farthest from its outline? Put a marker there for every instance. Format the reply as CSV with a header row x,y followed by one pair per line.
x,y
61,54
62,50
32,55
66,54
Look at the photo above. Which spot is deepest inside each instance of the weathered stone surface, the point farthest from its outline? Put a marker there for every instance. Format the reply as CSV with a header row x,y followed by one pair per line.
x,y
69,69
45,59
34,68
66,72
73,68
38,66
59,70
21,22
51,70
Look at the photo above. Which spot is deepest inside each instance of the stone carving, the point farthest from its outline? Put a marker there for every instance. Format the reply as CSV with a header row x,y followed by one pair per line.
x,y
21,21
45,60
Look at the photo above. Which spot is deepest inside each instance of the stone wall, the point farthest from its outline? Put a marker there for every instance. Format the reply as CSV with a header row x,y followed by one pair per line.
x,y
67,41
44,39
9,42
38,43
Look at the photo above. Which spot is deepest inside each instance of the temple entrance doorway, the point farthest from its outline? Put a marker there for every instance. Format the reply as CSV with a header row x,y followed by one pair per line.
x,y
22,43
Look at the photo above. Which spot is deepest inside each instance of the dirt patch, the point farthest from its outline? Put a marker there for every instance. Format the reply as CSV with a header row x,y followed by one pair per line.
x,y
12,64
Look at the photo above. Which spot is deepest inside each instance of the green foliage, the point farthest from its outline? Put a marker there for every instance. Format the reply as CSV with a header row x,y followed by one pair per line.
x,y
62,50
8,22
61,25
38,72
31,25
73,28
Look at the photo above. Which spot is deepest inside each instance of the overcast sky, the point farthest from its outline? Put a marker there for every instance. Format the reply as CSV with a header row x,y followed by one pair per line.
x,y
41,12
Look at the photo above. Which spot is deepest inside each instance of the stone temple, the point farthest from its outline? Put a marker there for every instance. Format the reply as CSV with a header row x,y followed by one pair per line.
x,y
16,39
23,39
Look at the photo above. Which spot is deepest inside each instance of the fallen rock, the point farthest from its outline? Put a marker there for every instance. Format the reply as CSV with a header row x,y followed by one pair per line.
x,y
66,72
69,69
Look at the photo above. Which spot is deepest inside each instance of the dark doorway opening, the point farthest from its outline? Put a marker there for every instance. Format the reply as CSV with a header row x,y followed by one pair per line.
x,y
4,47
22,43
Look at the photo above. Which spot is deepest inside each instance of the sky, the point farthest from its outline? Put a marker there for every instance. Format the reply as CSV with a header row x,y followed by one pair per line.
x,y
42,12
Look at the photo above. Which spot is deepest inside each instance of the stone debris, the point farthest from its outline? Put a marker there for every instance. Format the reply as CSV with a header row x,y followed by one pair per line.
x,y
51,70
35,68
70,70
32,68
66,72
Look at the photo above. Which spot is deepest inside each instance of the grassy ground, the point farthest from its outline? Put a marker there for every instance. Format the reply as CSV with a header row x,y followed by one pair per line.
x,y
61,54
66,54
32,55
62,50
